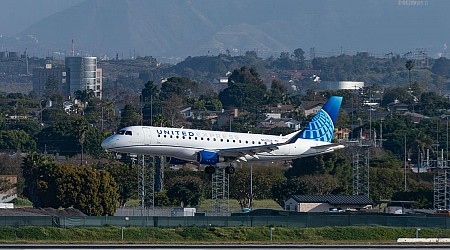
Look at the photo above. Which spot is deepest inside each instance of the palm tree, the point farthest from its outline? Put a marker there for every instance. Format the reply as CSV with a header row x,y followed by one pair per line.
x,y
409,66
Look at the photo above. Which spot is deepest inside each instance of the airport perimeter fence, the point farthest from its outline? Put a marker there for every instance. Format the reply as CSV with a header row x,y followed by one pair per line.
x,y
300,220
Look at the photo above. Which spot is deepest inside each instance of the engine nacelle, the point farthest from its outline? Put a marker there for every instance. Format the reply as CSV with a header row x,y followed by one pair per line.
x,y
208,157
175,161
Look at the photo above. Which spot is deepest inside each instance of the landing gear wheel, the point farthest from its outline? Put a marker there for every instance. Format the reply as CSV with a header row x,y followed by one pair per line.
x,y
210,170
230,170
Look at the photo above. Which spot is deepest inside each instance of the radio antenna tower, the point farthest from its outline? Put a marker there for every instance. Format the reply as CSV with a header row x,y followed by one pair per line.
x,y
72,51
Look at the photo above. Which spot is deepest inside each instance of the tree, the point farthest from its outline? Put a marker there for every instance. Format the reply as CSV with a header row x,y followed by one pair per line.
x,y
172,108
284,188
179,86
50,185
385,183
263,179
125,177
185,190
299,56
151,100
320,184
409,65
16,141
278,92
5,185
245,90
36,170
129,117
53,90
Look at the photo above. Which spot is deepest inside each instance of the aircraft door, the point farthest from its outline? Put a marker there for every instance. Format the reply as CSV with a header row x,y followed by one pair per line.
x,y
147,135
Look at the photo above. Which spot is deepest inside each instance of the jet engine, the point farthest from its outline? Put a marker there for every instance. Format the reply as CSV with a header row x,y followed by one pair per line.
x,y
208,157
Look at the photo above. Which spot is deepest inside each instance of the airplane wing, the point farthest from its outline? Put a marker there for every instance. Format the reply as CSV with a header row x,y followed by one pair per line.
x,y
323,149
254,150
245,151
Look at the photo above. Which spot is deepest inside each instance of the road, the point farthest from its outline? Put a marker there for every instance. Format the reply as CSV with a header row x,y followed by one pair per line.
x,y
200,247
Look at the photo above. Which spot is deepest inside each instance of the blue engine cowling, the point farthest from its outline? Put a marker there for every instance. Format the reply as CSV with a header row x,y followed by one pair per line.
x,y
175,161
208,157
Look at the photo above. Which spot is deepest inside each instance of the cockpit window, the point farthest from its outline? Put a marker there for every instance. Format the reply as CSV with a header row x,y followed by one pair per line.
x,y
123,132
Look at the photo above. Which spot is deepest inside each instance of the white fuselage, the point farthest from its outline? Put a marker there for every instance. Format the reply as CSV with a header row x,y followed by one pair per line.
x,y
186,143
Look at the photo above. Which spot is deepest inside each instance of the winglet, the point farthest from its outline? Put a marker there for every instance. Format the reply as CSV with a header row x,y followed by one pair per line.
x,y
321,127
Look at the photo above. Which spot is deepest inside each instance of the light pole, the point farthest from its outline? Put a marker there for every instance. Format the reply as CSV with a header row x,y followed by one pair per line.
x,y
126,220
417,232
271,230
251,186
404,168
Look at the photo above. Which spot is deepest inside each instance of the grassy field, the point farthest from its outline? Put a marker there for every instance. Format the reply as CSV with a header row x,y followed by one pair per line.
x,y
214,235
233,204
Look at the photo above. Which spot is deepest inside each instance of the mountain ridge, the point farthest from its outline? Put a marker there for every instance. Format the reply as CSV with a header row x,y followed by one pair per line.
x,y
199,27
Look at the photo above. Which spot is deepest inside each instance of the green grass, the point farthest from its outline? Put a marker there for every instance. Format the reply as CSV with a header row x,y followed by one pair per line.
x,y
214,235
234,206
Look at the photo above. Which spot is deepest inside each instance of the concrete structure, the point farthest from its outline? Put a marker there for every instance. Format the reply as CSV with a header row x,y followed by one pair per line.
x,y
44,75
11,194
327,203
339,85
83,74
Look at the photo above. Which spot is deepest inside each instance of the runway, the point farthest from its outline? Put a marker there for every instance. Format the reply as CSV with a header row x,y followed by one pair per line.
x,y
200,247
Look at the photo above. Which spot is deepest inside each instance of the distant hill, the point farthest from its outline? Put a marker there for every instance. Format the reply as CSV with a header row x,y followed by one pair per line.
x,y
198,27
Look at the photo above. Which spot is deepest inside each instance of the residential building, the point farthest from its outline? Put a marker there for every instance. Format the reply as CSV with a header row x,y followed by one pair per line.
x,y
307,108
271,123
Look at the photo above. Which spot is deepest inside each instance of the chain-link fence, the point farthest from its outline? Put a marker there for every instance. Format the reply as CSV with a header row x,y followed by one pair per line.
x,y
297,220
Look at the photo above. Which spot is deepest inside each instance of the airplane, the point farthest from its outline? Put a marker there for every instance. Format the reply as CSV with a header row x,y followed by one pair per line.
x,y
213,147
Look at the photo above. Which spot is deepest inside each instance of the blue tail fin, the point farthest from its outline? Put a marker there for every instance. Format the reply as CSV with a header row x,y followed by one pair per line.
x,y
321,127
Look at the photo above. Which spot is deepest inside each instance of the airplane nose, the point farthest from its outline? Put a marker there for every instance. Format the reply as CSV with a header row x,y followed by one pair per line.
x,y
107,144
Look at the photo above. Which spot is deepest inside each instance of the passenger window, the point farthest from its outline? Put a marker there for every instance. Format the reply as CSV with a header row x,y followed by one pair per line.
x,y
159,135
171,136
184,137
246,142
195,138
121,132
234,141
201,138
221,140
214,139
228,140
178,137
240,141
259,143
253,142
165,136
207,139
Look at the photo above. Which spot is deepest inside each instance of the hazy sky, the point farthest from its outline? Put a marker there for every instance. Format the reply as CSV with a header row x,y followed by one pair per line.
x,y
17,15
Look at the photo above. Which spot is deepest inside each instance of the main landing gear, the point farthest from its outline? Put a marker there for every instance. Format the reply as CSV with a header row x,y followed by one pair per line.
x,y
212,169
